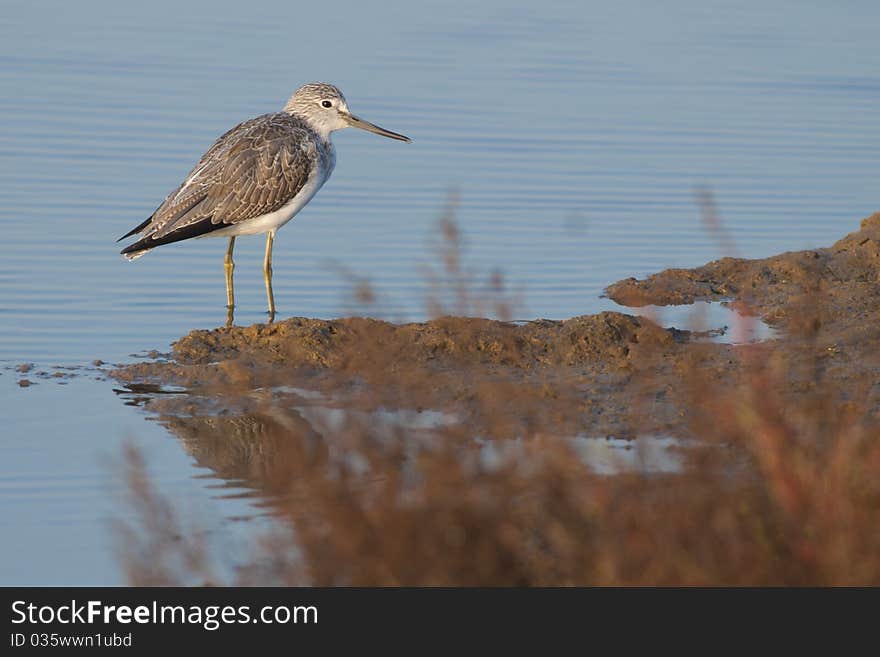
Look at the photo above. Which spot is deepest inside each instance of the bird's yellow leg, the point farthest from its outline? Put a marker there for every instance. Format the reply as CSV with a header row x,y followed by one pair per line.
x,y
229,266
267,273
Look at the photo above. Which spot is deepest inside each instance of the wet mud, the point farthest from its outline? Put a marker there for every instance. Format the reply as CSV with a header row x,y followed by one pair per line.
x,y
231,391
27,374
570,374
840,283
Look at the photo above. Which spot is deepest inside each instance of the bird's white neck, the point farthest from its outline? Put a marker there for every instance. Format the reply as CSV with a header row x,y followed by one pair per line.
x,y
322,124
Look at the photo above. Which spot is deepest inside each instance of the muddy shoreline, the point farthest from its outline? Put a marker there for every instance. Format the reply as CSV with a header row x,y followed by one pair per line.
x,y
610,374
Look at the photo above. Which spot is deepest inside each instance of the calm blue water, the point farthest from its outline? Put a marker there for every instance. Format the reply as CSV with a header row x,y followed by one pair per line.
x,y
572,133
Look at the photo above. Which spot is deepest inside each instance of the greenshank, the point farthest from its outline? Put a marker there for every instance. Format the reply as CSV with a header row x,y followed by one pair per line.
x,y
255,178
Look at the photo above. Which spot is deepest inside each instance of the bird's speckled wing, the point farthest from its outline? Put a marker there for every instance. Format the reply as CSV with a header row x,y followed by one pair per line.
x,y
254,169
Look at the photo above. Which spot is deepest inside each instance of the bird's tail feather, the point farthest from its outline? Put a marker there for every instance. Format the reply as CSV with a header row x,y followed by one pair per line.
x,y
134,255
137,229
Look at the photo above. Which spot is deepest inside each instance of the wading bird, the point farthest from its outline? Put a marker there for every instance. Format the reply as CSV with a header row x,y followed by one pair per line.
x,y
255,178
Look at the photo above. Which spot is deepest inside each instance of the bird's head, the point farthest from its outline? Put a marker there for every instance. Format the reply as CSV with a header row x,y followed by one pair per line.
x,y
323,106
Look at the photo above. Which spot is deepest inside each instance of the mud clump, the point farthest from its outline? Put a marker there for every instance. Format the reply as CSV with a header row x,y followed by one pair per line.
x,y
844,277
455,364
452,341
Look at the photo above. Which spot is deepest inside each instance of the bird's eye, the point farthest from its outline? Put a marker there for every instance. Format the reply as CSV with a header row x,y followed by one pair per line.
x,y
326,103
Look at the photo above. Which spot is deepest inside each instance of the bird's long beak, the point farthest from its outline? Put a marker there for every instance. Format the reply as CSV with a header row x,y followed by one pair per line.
x,y
356,122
